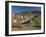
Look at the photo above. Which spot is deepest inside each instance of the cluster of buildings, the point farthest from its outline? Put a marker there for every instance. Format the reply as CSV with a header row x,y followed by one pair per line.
x,y
21,18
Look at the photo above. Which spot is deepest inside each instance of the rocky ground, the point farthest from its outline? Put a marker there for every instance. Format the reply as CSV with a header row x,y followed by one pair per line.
x,y
34,24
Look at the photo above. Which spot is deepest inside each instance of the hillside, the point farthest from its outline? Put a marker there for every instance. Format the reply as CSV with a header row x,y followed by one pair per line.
x,y
33,24
33,12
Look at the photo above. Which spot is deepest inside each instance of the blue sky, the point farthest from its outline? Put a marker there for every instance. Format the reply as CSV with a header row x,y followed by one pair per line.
x,y
17,9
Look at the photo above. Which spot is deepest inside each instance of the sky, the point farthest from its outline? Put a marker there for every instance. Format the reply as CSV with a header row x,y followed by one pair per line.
x,y
17,9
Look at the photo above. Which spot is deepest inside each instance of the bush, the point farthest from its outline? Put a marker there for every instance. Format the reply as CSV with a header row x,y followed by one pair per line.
x,y
36,22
